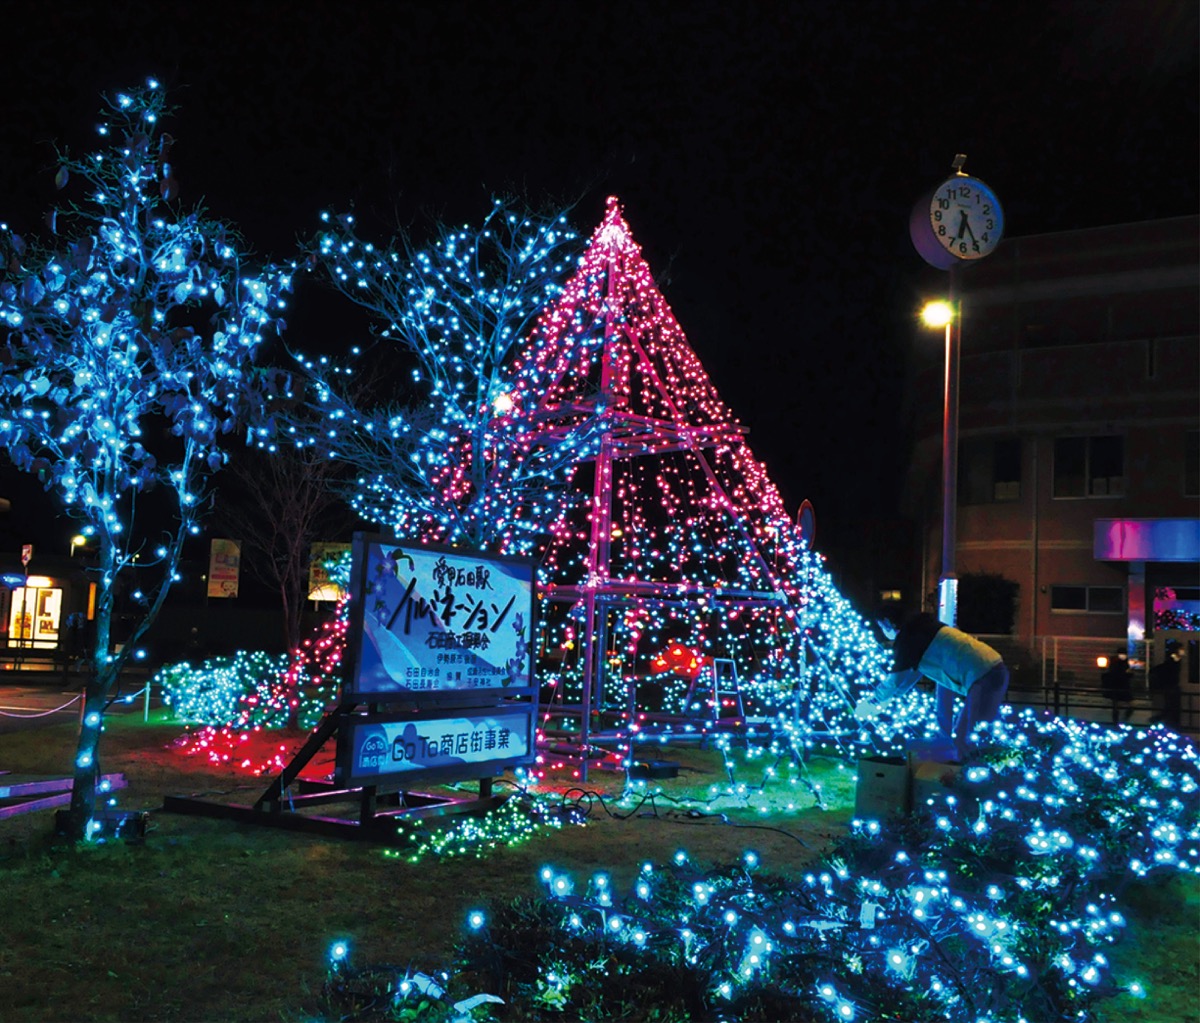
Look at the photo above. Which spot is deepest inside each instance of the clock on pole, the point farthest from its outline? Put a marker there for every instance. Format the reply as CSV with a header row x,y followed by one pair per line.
x,y
954,224
958,221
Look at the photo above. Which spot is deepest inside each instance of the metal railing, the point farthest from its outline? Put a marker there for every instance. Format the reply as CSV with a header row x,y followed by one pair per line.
x,y
1061,675
1091,704
1066,658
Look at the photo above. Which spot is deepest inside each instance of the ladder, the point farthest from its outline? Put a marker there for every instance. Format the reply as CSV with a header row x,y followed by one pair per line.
x,y
725,696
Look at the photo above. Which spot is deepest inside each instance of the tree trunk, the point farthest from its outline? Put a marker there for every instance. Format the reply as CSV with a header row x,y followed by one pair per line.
x,y
101,679
291,628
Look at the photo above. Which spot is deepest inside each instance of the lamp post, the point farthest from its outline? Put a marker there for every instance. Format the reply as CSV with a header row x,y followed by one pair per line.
x,y
78,540
948,316
956,223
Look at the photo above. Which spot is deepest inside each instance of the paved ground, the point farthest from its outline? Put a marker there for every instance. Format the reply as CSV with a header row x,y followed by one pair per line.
x,y
36,706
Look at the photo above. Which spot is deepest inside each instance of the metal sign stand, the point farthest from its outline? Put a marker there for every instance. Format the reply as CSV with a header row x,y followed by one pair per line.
x,y
409,712
375,810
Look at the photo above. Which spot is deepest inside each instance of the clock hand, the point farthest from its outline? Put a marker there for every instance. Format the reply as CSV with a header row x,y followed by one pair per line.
x,y
963,226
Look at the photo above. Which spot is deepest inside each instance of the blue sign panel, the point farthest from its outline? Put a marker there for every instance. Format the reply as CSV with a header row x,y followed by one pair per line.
x,y
1146,539
438,624
467,745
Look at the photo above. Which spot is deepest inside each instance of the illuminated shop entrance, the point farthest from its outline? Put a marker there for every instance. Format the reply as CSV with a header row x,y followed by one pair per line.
x,y
35,614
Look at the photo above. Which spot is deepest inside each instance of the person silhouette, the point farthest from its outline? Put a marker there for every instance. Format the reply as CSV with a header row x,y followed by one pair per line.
x,y
1117,681
1165,687
960,665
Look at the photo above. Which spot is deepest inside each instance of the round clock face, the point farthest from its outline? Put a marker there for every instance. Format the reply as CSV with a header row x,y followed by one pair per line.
x,y
965,218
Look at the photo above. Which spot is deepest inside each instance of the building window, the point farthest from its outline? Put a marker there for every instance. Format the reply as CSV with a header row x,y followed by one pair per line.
x,y
1089,466
1191,464
1087,599
989,471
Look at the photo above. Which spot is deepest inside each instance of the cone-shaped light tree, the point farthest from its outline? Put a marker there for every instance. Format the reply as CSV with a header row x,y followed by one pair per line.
x,y
563,414
128,333
684,543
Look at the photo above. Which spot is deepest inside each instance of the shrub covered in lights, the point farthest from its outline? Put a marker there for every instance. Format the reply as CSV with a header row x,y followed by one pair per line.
x,y
998,900
129,334
241,691
516,820
230,697
225,700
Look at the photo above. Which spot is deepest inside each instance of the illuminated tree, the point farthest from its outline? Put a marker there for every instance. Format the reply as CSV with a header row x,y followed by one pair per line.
x,y
128,337
458,463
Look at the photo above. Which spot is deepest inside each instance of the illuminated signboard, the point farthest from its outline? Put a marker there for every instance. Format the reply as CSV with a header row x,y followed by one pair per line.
x,y
438,625
1146,539
433,747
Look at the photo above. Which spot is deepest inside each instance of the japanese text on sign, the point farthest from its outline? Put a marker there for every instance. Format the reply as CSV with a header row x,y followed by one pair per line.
x,y
437,621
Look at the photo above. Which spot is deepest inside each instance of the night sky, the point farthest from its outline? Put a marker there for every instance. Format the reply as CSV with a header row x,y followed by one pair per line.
x,y
767,156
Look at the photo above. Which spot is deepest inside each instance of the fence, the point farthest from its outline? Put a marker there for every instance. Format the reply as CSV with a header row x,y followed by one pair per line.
x,y
1090,704
1068,660
1061,675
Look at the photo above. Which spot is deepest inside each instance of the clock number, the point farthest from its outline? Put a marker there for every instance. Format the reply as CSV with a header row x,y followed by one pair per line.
x,y
937,216
987,209
990,224
942,230
962,247
944,204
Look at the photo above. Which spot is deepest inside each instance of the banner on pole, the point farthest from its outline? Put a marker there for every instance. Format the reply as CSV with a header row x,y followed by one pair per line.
x,y
224,564
320,585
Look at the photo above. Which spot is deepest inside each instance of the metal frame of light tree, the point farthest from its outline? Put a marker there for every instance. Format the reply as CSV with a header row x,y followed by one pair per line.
x,y
625,437
613,284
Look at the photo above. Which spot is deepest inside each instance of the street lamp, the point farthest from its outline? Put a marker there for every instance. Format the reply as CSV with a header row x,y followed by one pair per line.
x,y
954,224
947,315
78,540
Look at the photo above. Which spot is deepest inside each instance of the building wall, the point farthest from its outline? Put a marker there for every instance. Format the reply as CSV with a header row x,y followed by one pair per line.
x,y
1084,334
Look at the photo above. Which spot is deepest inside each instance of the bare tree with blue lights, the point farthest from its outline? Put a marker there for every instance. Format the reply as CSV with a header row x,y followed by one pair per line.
x,y
449,456
128,340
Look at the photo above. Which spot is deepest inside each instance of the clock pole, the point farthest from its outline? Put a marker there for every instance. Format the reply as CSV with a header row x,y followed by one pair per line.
x,y
958,221
948,583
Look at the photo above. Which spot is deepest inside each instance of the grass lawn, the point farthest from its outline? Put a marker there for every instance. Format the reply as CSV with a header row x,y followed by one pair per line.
x,y
213,920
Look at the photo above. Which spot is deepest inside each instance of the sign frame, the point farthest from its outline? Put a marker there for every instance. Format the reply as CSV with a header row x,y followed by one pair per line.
x,y
356,687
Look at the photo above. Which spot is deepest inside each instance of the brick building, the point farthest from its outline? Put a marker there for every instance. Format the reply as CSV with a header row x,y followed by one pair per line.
x,y
1079,433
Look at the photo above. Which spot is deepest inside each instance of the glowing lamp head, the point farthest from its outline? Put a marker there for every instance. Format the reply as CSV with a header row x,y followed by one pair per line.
x,y
503,403
937,314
